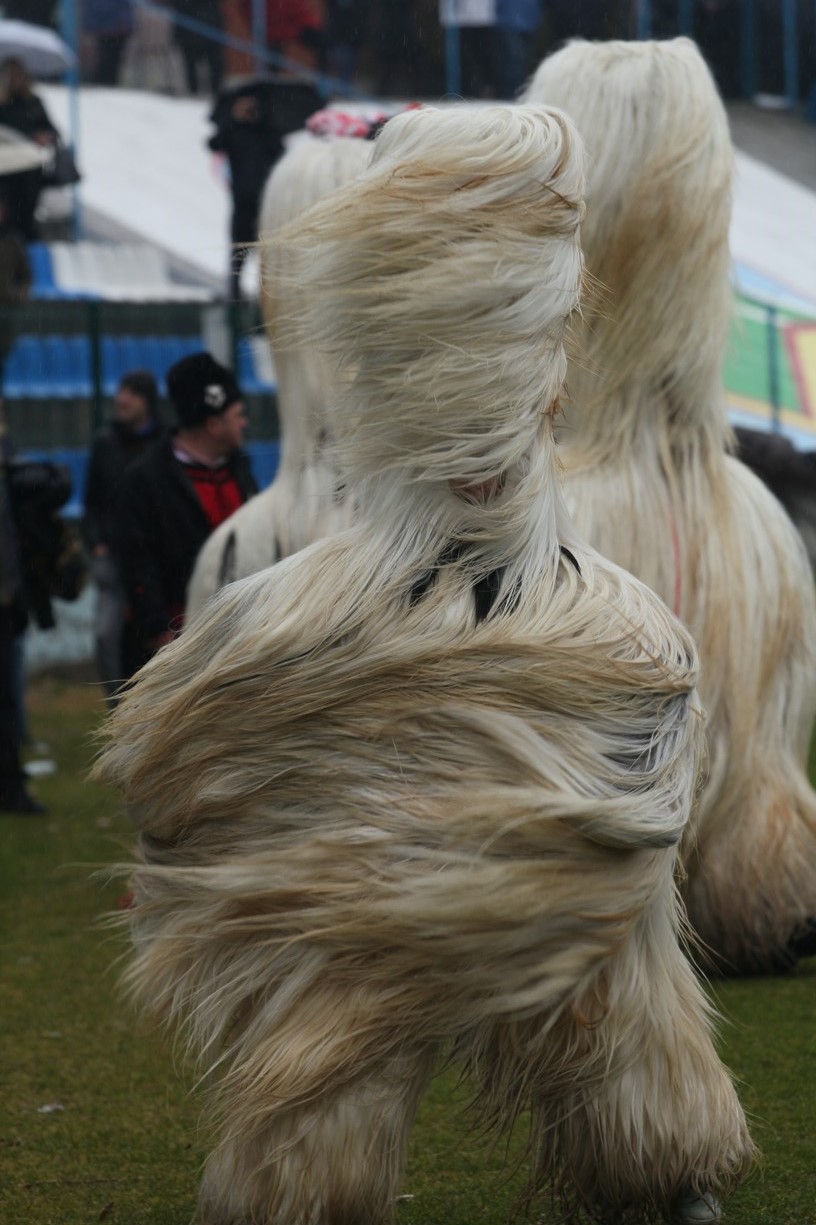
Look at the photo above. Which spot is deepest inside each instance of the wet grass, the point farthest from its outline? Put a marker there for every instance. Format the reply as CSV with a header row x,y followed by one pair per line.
x,y
124,1144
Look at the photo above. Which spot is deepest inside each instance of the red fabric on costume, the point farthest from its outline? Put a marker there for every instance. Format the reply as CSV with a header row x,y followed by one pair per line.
x,y
217,489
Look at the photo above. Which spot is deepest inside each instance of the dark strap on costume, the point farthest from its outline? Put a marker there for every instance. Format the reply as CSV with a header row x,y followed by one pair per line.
x,y
485,590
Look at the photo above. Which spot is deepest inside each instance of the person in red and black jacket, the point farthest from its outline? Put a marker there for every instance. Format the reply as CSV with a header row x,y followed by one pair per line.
x,y
179,492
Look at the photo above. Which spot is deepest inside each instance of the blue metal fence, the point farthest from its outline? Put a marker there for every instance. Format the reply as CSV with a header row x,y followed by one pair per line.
x,y
642,22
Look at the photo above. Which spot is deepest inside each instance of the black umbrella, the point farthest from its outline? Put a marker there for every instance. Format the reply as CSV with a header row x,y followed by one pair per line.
x,y
284,102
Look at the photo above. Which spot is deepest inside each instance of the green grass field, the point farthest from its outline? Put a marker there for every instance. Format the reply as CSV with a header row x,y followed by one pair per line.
x,y
125,1146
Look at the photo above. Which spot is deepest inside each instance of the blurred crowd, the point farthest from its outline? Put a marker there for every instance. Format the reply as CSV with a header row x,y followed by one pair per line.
x,y
396,49
153,496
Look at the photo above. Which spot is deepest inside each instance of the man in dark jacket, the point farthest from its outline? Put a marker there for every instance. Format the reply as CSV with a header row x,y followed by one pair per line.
x,y
179,492
134,428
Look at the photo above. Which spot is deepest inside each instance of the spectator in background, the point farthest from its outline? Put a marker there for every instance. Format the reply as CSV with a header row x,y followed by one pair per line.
x,y
109,23
399,56
517,22
347,31
134,428
594,19
198,49
179,492
15,279
21,109
14,795
497,51
38,12
246,132
294,29
39,559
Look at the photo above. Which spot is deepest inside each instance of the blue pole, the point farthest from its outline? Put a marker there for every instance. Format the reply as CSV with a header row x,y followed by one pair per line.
x,y
70,34
453,61
772,337
791,52
748,48
644,19
686,18
259,32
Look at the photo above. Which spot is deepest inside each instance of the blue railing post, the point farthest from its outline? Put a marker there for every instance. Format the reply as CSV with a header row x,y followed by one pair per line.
x,y
95,335
644,18
772,336
259,33
748,48
449,16
70,33
453,61
685,18
791,52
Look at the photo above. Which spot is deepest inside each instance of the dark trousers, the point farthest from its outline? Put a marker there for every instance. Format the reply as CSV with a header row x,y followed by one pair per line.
x,y
196,50
109,51
244,232
22,191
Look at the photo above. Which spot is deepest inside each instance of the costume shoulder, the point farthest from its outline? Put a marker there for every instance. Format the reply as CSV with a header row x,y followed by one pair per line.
x,y
629,638
304,684
243,544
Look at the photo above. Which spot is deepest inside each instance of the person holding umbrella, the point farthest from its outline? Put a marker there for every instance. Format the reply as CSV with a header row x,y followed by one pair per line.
x,y
22,110
250,121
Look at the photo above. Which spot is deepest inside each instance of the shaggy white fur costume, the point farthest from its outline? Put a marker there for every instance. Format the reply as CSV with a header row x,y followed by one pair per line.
x,y
423,783
306,500
651,483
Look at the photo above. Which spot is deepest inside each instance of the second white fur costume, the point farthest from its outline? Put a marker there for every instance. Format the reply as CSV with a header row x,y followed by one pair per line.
x,y
652,485
306,500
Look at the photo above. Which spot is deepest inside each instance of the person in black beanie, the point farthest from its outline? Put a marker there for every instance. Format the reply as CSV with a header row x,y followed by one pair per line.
x,y
134,428
179,492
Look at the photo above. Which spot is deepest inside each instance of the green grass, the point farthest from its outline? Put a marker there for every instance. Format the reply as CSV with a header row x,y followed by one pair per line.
x,y
126,1147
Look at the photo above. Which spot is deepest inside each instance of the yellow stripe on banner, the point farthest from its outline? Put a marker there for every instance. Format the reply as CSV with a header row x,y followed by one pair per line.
x,y
763,411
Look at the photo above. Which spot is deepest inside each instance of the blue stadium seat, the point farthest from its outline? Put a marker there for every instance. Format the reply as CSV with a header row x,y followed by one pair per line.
x,y
57,367
265,458
110,364
48,366
79,348
26,372
132,352
247,379
13,376
253,379
153,358
42,272
171,349
76,462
